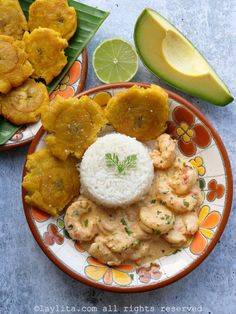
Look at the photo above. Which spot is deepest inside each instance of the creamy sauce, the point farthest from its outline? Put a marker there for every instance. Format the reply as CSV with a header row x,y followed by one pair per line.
x,y
164,220
118,236
121,231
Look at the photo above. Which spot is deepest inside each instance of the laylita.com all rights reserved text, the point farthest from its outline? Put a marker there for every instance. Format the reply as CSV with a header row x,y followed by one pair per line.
x,y
116,309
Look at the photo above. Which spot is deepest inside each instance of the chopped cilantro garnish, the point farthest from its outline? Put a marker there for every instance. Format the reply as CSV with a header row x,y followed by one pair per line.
x,y
128,231
176,251
86,223
186,204
162,202
123,221
153,201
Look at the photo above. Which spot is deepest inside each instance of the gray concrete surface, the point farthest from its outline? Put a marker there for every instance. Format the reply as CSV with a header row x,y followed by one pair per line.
x,y
29,279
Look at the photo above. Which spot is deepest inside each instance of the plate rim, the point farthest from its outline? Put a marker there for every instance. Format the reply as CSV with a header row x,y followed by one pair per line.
x,y
199,259
84,71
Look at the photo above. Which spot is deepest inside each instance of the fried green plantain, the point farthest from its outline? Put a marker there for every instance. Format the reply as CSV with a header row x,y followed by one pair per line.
x,y
14,65
60,17
45,48
24,104
72,125
12,20
51,184
139,112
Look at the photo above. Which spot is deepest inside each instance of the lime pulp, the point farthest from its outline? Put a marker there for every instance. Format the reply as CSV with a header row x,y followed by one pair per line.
x,y
115,60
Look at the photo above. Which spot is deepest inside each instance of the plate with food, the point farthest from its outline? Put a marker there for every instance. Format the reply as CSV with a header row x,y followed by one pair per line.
x,y
120,188
41,55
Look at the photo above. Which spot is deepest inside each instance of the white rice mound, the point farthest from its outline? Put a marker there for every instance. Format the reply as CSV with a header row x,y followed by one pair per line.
x,y
102,184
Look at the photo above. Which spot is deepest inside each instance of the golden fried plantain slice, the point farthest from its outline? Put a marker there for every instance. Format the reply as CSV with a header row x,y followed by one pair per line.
x,y
50,183
73,125
12,20
60,17
46,52
25,103
139,112
14,65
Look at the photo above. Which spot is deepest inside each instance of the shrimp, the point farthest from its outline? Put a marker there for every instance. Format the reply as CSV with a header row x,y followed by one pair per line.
x,y
81,220
176,235
197,193
156,219
164,153
141,250
178,203
100,251
119,241
191,223
184,226
184,176
109,220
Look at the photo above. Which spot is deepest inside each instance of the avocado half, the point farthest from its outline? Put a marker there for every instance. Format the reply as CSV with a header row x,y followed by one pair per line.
x,y
173,58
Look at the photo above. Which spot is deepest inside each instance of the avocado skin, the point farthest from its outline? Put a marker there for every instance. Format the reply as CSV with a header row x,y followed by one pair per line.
x,y
208,97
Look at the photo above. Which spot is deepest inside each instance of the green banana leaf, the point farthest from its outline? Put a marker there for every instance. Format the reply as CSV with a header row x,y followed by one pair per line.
x,y
89,21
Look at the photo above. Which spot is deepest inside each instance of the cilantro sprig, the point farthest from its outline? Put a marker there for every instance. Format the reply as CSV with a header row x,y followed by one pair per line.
x,y
126,227
112,160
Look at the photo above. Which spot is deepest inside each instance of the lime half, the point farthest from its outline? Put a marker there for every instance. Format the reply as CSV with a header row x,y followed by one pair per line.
x,y
115,60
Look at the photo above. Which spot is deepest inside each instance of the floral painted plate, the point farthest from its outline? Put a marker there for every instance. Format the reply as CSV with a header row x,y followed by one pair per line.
x,y
197,142
72,84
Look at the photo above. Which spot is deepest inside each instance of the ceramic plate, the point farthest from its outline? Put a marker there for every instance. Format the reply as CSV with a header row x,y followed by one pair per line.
x,y
197,142
72,84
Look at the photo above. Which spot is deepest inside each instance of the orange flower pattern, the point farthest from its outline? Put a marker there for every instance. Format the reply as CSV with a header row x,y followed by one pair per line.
x,y
78,247
119,275
147,273
207,222
39,215
52,235
65,88
189,134
215,190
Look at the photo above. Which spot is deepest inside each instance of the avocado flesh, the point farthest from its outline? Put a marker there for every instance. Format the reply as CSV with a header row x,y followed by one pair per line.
x,y
170,56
